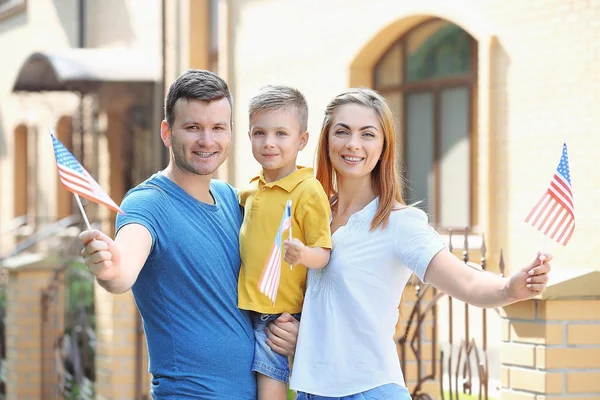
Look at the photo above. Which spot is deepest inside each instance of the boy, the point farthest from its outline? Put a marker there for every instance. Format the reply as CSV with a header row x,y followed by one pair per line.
x,y
278,131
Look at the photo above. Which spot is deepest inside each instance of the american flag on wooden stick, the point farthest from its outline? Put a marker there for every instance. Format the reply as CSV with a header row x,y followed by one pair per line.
x,y
269,280
554,214
77,180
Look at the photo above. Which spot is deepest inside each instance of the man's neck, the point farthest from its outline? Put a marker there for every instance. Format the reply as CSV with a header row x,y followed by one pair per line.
x,y
197,186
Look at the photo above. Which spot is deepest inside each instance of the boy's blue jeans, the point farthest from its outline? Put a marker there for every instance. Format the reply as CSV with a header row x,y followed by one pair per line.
x,y
266,361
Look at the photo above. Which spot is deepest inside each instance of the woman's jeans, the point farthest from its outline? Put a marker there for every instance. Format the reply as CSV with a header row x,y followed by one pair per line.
x,y
390,391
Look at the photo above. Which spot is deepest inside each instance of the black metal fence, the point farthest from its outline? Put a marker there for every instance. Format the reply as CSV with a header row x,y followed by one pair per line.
x,y
465,365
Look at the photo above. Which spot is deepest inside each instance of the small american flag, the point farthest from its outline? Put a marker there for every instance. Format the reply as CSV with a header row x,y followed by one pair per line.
x,y
269,280
554,214
77,180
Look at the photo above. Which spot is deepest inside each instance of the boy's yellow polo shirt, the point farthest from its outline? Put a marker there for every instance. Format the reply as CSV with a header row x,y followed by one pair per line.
x,y
264,204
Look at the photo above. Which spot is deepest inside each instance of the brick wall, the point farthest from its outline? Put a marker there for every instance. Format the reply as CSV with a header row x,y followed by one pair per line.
x,y
116,353
551,350
31,373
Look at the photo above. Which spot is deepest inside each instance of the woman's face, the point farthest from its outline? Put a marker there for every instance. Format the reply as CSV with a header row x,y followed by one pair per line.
x,y
355,141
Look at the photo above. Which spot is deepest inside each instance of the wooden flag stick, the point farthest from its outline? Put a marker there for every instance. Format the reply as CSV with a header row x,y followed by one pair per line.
x,y
544,244
544,247
85,218
290,231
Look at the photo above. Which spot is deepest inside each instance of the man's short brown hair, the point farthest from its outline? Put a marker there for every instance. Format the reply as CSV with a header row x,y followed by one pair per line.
x,y
195,84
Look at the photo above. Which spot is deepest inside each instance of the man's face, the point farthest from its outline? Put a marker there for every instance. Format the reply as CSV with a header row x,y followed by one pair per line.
x,y
200,136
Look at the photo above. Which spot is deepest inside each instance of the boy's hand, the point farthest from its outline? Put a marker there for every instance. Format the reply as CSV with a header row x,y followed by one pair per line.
x,y
294,251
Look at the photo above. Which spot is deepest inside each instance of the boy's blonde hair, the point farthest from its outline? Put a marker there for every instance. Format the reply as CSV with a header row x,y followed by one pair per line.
x,y
274,98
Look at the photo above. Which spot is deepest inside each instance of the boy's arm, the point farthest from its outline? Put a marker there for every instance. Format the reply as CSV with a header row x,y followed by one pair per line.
x,y
313,217
297,252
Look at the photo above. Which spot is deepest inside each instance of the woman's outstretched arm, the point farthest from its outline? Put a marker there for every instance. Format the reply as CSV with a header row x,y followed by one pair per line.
x,y
483,289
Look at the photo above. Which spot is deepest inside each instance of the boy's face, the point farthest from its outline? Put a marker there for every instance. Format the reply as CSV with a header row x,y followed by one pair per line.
x,y
276,140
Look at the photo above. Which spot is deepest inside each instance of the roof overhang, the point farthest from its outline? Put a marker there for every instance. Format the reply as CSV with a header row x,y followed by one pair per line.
x,y
84,70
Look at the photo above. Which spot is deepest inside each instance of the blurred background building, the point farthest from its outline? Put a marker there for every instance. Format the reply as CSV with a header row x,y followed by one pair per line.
x,y
485,93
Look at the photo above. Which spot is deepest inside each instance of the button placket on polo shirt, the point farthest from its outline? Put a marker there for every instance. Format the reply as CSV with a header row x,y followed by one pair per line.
x,y
262,189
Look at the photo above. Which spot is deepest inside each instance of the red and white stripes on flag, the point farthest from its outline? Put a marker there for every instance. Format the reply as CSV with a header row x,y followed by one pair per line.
x,y
554,213
269,280
77,180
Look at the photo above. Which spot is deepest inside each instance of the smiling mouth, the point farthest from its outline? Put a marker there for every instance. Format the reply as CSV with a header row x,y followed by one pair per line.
x,y
353,159
269,155
202,154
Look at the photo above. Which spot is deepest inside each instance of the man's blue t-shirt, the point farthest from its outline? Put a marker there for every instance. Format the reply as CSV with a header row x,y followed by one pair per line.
x,y
200,344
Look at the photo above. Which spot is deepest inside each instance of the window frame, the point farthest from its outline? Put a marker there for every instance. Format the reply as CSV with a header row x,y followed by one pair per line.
x,y
21,171
436,86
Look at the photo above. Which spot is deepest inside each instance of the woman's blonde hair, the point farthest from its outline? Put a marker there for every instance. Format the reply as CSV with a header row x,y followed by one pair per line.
x,y
384,177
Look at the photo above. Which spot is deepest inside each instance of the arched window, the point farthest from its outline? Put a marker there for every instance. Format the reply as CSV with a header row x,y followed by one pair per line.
x,y
429,76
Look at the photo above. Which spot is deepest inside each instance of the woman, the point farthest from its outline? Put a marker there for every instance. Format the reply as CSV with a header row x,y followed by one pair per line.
x,y
345,346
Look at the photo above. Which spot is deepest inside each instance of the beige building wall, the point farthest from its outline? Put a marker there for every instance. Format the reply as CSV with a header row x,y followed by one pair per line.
x,y
538,63
124,24
45,24
51,26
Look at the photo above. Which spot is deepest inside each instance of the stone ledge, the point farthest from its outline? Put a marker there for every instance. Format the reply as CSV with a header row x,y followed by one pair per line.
x,y
31,261
574,283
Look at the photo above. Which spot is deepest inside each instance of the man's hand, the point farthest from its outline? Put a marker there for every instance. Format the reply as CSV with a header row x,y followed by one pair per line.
x,y
101,255
116,264
294,251
282,334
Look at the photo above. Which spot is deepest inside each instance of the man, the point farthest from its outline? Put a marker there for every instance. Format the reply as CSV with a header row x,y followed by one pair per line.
x,y
177,248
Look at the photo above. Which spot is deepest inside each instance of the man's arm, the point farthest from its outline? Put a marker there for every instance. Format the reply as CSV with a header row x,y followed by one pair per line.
x,y
117,263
